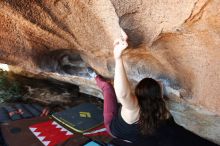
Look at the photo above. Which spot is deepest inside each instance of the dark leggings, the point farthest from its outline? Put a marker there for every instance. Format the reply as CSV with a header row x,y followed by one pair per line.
x,y
110,101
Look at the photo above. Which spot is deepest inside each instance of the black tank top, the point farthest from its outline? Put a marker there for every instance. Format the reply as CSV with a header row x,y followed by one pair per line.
x,y
121,129
168,134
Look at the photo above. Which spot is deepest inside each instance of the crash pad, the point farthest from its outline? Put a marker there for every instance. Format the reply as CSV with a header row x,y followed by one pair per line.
x,y
80,118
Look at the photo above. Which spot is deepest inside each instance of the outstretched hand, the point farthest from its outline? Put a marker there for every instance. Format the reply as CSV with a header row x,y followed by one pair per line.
x,y
120,45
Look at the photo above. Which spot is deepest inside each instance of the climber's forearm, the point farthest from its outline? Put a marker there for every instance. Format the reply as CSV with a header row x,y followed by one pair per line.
x,y
121,83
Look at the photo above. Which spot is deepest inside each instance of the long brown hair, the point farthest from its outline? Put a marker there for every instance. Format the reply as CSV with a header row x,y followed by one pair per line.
x,y
152,105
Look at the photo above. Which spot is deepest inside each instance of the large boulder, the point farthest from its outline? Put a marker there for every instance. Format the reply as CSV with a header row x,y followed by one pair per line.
x,y
175,42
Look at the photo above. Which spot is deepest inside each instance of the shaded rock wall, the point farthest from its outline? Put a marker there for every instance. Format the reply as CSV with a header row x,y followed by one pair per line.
x,y
175,42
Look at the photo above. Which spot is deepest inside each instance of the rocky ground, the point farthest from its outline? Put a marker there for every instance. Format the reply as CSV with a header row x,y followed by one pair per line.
x,y
49,92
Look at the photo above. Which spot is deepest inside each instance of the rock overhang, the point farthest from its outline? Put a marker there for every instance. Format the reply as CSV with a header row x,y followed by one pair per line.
x,y
174,42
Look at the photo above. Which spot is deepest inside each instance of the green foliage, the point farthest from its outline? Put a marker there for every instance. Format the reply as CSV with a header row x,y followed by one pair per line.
x,y
9,89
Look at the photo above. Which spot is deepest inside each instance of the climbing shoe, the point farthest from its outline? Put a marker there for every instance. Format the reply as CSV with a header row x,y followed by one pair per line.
x,y
91,72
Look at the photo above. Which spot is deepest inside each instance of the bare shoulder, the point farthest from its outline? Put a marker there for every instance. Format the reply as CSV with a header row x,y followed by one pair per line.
x,y
130,116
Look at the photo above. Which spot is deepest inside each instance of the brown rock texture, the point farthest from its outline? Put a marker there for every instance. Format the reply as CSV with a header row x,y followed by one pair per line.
x,y
176,42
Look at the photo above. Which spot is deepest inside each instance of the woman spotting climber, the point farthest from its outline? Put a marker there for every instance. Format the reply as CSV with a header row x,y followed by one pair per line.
x,y
143,111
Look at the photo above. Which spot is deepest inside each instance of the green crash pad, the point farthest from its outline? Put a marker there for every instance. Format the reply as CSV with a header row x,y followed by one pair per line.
x,y
80,118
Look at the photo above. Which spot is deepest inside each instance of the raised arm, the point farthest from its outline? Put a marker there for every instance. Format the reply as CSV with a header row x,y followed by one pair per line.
x,y
121,83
